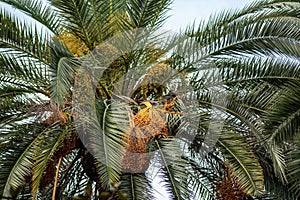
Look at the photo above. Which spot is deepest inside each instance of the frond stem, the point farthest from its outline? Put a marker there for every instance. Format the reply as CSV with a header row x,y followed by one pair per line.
x,y
56,178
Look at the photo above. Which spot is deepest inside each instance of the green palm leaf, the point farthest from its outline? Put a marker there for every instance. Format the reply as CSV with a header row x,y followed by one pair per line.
x,y
244,162
22,167
173,169
149,13
39,11
23,39
63,68
45,146
76,15
281,123
293,169
136,186
106,132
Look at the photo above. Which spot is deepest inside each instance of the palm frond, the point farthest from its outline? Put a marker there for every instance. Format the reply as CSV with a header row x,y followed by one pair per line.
x,y
147,14
275,187
203,176
105,141
293,170
107,18
39,11
77,15
23,39
275,71
255,11
14,110
24,73
229,103
72,179
63,67
22,167
45,146
270,37
136,186
173,171
244,162
281,124
13,143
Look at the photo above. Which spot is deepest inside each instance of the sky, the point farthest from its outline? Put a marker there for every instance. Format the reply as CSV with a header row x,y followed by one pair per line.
x,y
184,12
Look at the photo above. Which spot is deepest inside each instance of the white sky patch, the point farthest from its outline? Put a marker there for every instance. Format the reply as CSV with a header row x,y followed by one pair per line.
x,y
184,13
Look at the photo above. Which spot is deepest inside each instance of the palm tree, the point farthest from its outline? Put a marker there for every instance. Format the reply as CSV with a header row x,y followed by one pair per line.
x,y
233,134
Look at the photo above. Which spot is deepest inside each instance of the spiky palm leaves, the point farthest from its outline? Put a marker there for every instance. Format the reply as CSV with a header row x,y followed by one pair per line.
x,y
243,67
259,62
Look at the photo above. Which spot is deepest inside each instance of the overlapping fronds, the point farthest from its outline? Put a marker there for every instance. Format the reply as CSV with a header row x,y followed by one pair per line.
x,y
173,168
105,140
39,11
63,67
149,13
23,39
76,17
22,167
283,117
13,143
45,147
293,161
245,165
241,68
136,186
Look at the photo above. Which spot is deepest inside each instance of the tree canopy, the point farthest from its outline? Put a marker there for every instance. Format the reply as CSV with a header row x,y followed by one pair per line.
x,y
100,103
